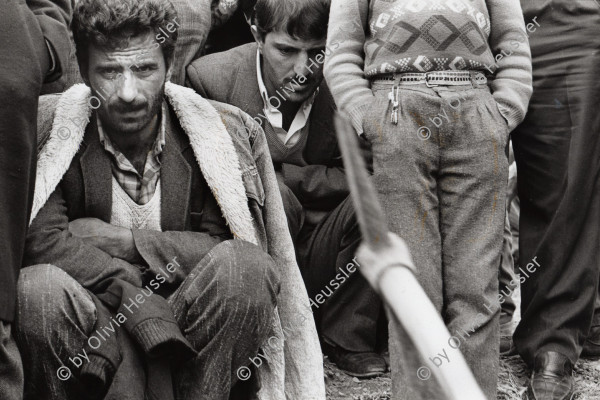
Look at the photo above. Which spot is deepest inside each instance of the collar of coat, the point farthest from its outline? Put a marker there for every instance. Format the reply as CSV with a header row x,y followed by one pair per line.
x,y
212,146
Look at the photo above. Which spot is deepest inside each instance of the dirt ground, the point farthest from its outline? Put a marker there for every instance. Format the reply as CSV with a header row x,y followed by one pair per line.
x,y
513,378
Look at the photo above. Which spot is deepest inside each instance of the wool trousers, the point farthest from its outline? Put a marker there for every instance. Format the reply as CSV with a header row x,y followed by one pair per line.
x,y
224,308
441,174
558,165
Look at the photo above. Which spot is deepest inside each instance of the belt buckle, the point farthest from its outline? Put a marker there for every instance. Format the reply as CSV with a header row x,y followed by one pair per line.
x,y
480,78
427,80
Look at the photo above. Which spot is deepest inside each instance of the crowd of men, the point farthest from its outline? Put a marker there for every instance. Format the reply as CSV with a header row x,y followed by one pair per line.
x,y
174,206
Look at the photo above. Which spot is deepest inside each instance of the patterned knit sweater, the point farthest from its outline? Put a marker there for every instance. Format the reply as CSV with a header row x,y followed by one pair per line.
x,y
367,38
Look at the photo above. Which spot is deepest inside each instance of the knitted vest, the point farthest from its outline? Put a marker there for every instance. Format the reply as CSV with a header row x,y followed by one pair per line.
x,y
128,214
282,154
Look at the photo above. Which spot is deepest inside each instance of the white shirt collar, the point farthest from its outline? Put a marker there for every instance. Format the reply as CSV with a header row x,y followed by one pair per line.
x,y
274,115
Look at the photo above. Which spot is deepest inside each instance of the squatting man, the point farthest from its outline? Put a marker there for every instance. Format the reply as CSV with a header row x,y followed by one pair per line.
x,y
123,195
278,81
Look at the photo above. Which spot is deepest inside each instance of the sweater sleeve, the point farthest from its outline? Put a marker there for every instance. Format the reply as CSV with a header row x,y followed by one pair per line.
x,y
344,66
50,242
512,86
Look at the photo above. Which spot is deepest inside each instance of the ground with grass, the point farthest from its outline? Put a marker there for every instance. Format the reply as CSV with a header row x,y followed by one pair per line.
x,y
513,379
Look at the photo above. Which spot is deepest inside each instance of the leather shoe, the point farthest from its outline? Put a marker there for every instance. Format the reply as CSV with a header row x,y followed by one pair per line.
x,y
591,346
552,378
359,364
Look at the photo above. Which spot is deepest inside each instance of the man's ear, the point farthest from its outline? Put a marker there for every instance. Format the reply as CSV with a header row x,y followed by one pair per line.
x,y
258,37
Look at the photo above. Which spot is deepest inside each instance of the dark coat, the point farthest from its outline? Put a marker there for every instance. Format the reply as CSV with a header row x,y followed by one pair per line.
x,y
203,144
86,192
230,77
24,66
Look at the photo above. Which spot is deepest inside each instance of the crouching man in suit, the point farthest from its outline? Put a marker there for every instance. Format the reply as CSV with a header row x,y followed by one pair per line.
x,y
158,247
279,82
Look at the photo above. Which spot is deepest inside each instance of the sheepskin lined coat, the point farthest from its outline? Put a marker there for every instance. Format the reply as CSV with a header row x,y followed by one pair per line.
x,y
231,152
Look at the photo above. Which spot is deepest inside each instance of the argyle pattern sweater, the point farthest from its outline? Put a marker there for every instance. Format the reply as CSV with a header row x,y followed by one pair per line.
x,y
368,38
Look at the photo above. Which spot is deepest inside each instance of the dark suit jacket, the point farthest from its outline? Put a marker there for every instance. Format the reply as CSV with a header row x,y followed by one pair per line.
x,y
188,211
230,77
24,63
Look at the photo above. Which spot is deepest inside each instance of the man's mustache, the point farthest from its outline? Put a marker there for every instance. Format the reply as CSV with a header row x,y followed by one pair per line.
x,y
129,107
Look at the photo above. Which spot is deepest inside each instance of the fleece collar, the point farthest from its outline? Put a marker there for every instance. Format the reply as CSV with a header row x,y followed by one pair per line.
x,y
213,149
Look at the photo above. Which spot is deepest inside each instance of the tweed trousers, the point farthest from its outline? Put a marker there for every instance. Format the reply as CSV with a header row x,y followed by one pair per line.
x,y
441,174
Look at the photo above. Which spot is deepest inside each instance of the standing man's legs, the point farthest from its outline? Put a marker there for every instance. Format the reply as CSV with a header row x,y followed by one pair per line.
x,y
591,346
21,78
11,367
472,190
432,193
558,164
557,301
404,175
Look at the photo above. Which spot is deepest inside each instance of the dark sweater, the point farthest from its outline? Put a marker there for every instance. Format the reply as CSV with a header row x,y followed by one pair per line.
x,y
280,153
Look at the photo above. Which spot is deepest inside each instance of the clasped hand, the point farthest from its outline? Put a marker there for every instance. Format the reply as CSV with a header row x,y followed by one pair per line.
x,y
114,240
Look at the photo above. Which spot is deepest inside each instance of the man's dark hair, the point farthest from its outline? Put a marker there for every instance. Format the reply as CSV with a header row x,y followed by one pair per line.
x,y
301,19
111,23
